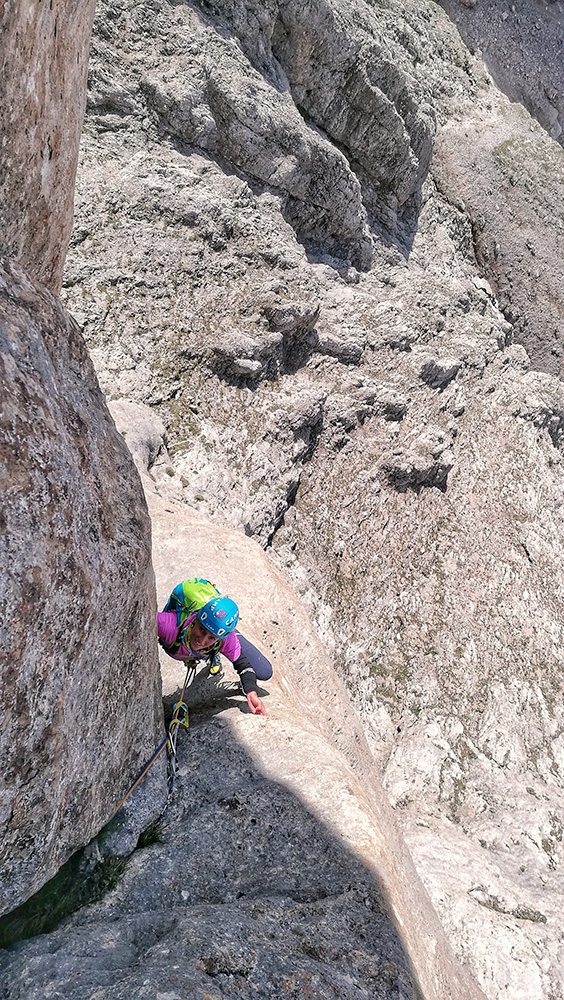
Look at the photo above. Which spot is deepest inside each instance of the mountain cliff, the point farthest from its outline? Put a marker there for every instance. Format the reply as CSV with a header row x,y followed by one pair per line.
x,y
79,686
320,242
278,870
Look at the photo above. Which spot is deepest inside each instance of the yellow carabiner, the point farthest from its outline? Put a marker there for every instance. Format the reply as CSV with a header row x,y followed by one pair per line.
x,y
180,709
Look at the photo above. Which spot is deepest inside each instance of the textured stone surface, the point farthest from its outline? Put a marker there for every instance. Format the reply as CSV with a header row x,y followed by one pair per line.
x,y
279,871
522,44
509,176
79,685
43,66
447,611
506,173
378,431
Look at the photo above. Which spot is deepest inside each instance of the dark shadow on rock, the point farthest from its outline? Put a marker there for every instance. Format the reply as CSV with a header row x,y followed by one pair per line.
x,y
248,894
209,695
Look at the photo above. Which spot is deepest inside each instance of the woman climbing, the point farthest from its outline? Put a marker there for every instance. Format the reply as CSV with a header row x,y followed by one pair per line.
x,y
197,623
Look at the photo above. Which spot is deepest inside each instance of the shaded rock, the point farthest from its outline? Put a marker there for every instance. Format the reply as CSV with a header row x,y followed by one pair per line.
x,y
267,899
345,413
40,122
235,355
522,47
78,636
543,405
427,461
438,372
386,401
291,318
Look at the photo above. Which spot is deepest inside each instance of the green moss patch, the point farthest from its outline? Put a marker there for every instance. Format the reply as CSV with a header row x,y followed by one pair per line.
x,y
75,885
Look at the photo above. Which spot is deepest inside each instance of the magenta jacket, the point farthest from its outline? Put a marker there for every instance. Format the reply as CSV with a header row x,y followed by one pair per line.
x,y
168,633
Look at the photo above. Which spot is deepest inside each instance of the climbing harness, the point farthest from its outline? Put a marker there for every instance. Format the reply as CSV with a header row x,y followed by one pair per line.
x,y
180,720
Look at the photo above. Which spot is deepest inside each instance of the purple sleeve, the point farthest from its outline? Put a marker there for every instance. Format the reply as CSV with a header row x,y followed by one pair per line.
x,y
231,647
166,627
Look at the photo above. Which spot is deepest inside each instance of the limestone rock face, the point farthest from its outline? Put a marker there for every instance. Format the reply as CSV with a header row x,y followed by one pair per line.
x,y
372,422
521,44
43,67
79,689
510,178
279,871
510,181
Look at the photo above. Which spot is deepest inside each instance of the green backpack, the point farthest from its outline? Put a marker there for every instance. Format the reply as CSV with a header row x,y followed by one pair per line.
x,y
190,596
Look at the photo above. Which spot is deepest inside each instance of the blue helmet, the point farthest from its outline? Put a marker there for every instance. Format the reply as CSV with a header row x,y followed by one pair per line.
x,y
219,616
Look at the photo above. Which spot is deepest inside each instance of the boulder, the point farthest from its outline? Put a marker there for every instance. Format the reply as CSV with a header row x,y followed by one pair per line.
x,y
79,687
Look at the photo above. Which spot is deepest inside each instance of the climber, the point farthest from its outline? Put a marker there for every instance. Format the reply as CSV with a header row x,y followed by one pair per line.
x,y
190,632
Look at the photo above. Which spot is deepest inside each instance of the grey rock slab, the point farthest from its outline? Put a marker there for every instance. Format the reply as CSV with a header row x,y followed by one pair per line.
x,y
522,47
438,372
43,72
80,688
278,871
230,110
502,886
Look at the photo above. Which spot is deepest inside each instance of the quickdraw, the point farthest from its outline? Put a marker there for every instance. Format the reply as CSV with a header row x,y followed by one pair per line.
x,y
180,720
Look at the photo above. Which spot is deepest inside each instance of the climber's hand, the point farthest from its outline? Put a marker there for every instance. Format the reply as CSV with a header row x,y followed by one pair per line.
x,y
255,704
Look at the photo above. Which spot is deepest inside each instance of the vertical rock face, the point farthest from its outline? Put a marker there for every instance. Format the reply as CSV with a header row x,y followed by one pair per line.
x,y
380,430
77,639
43,66
77,596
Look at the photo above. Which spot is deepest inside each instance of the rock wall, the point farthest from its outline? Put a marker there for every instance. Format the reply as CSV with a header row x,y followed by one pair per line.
x,y
79,687
79,690
43,68
338,380
509,176
522,46
505,171
278,869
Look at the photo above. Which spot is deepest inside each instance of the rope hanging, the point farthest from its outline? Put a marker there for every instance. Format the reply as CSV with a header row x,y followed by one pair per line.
x,y
180,720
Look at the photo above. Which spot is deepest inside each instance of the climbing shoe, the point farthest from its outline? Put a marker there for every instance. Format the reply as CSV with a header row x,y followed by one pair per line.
x,y
215,666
